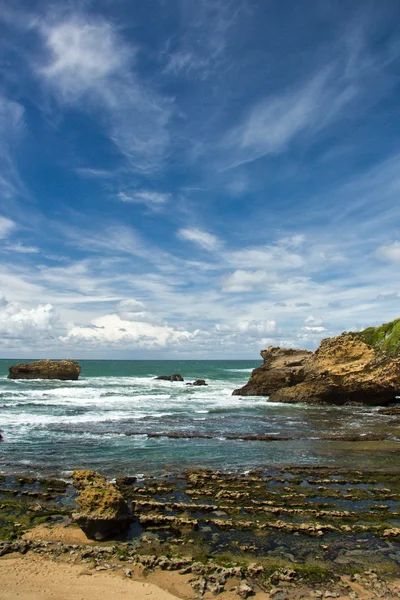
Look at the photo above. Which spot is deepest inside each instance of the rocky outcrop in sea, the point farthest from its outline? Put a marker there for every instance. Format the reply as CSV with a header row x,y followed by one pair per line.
x,y
361,368
46,369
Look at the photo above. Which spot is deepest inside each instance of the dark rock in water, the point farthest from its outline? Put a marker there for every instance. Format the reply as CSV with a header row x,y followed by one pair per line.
x,y
393,411
198,382
103,513
344,370
174,377
1,437
46,369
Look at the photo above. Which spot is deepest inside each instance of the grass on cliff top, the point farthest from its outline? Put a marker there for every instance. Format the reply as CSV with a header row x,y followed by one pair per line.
x,y
385,338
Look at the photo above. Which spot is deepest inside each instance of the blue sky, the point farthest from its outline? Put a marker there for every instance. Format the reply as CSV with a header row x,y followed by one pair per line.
x,y
196,178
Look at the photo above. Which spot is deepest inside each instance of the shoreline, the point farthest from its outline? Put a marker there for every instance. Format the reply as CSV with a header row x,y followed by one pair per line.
x,y
313,526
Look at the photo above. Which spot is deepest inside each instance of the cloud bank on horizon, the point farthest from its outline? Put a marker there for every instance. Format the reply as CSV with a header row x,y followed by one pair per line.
x,y
196,178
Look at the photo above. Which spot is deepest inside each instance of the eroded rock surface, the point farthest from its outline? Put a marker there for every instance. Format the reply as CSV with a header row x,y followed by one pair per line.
x,y
103,511
46,369
344,369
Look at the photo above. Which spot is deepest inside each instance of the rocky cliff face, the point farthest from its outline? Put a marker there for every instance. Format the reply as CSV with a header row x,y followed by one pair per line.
x,y
344,369
46,369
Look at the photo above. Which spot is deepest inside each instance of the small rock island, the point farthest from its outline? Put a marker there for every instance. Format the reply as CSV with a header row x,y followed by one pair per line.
x,y
46,369
357,367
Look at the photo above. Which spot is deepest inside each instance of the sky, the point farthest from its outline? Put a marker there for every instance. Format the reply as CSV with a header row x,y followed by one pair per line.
x,y
196,178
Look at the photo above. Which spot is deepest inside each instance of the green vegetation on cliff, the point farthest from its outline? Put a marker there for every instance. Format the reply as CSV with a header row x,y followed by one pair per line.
x,y
385,338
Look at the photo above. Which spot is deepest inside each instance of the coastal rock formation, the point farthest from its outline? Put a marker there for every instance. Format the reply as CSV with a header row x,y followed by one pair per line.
x,y
46,369
103,511
174,377
282,367
350,368
198,382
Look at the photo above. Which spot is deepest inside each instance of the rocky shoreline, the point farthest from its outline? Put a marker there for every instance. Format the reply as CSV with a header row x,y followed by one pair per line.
x,y
352,368
290,529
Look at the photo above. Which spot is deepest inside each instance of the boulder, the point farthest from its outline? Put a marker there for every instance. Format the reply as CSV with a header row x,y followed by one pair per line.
x,y
103,512
46,369
198,382
347,369
174,377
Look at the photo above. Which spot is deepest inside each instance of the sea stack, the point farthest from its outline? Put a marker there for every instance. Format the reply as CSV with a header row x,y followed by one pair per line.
x,y
361,367
46,369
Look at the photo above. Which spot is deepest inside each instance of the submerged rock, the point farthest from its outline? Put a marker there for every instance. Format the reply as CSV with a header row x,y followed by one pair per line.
x,y
174,377
103,511
46,369
198,382
343,370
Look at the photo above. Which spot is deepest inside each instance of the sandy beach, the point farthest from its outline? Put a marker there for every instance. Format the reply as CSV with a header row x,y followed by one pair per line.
x,y
35,578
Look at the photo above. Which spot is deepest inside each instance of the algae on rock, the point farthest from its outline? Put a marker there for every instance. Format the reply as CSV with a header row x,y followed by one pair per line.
x,y
103,511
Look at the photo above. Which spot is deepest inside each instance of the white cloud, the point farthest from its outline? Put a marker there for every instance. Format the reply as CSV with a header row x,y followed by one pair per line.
x,y
134,310
390,252
83,55
257,328
89,64
30,324
273,257
273,123
247,281
314,324
20,248
144,197
205,240
113,331
6,227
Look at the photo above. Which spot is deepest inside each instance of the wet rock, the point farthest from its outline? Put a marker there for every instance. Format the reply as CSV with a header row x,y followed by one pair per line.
x,y
46,369
198,382
345,369
174,377
245,589
103,511
393,411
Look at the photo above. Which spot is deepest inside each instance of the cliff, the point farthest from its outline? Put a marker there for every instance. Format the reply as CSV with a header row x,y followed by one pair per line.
x,y
360,367
46,369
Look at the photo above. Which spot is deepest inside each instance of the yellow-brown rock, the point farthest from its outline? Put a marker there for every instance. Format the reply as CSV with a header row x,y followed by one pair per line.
x,y
344,369
103,511
46,369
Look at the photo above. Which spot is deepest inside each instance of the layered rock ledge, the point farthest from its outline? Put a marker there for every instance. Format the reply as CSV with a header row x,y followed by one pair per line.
x,y
350,368
46,369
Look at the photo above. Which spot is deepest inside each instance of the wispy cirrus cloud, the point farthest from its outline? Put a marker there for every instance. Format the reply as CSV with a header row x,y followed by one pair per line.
x,y
88,64
206,26
272,124
201,238
148,197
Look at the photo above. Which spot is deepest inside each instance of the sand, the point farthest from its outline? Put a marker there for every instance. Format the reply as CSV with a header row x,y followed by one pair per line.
x,y
37,578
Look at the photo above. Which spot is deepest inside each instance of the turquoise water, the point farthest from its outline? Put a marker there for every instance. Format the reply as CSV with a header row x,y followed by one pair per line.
x,y
104,420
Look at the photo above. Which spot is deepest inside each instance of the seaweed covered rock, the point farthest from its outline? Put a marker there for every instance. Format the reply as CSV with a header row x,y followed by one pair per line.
x,y
345,369
103,512
46,369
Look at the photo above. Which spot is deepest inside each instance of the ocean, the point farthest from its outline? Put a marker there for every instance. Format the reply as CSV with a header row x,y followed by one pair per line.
x,y
107,419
